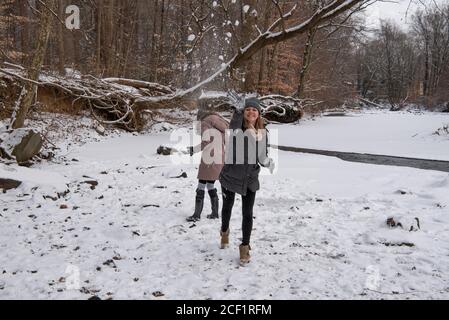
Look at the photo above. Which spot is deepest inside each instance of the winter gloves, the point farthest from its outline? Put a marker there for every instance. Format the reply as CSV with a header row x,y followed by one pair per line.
x,y
269,163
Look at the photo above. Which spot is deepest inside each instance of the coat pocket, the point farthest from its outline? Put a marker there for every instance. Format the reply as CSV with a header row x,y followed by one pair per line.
x,y
254,173
231,175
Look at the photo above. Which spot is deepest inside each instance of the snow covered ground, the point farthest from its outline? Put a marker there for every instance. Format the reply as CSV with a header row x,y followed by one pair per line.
x,y
320,227
408,134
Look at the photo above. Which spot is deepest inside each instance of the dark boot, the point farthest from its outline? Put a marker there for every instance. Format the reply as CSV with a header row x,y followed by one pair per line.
x,y
199,202
214,204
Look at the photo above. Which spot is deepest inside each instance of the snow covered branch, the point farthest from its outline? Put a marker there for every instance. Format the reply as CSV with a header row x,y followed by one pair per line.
x,y
270,37
322,15
118,101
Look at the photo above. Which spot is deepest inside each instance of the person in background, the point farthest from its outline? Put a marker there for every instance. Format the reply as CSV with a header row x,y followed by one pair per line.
x,y
208,172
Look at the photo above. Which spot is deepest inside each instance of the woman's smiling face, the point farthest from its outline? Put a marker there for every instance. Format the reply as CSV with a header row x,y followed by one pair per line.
x,y
251,114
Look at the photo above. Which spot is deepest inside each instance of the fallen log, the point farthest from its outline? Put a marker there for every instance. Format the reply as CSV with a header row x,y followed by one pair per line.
x,y
371,103
123,102
159,88
275,108
283,109
111,101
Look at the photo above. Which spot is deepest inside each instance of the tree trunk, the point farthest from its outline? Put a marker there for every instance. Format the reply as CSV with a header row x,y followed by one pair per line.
x,y
262,62
19,114
99,27
61,49
25,31
153,64
133,38
307,56
108,47
426,70
272,67
160,41
249,21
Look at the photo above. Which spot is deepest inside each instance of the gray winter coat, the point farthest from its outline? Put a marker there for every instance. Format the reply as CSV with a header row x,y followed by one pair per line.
x,y
241,169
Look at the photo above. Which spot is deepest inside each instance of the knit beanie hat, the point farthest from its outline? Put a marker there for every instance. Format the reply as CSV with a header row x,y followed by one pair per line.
x,y
203,111
254,103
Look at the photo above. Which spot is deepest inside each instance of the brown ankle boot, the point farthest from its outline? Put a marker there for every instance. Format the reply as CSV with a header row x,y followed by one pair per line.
x,y
224,239
244,254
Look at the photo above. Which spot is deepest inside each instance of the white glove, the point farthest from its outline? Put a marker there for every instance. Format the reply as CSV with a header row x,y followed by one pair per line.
x,y
269,163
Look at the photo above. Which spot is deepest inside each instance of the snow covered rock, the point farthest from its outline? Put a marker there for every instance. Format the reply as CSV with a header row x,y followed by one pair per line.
x,y
33,180
92,183
447,108
20,144
100,129
165,151
405,222
442,131
7,184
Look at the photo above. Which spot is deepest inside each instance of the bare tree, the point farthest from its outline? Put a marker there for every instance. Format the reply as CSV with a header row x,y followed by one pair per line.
x,y
61,39
388,65
104,47
431,30
26,96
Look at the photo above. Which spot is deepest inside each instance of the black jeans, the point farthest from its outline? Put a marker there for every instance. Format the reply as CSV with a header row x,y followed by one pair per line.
x,y
247,212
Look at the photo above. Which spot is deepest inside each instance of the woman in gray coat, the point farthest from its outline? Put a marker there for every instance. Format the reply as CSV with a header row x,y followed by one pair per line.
x,y
213,128
246,148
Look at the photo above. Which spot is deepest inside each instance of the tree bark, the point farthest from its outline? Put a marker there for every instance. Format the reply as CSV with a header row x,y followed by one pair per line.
x,y
249,21
307,56
25,31
20,113
61,46
161,41
99,27
153,63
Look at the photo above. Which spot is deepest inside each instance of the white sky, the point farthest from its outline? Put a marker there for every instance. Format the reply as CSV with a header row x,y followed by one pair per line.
x,y
396,10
